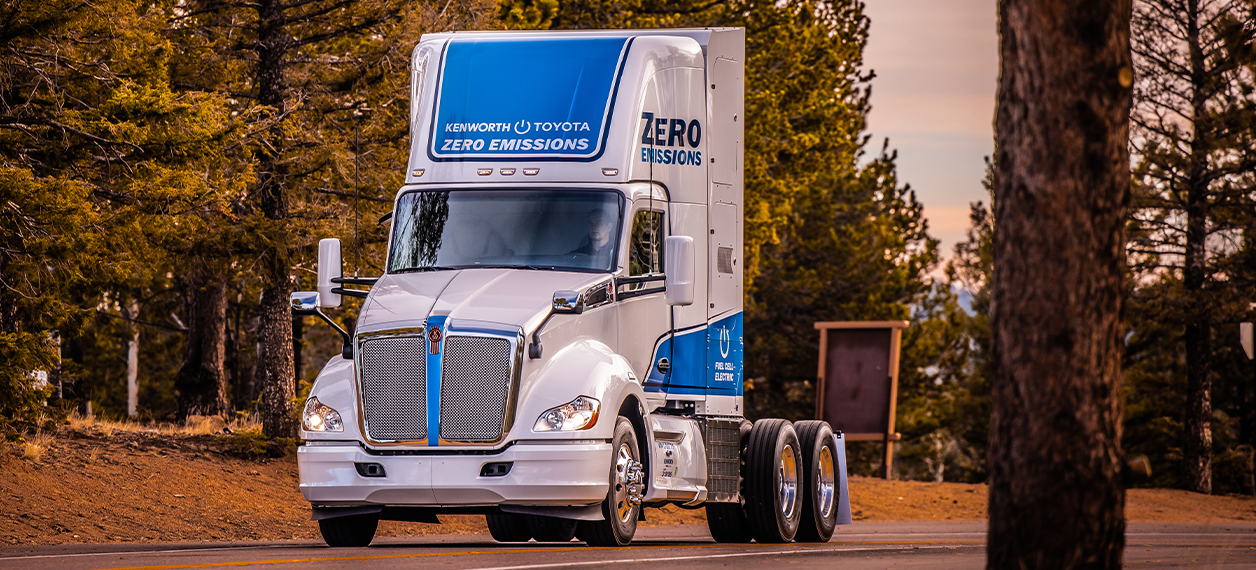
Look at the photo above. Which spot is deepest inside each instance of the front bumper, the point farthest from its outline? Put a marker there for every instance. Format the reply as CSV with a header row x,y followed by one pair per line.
x,y
557,474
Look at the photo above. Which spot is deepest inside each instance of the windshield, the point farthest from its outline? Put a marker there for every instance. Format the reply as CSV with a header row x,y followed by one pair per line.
x,y
574,230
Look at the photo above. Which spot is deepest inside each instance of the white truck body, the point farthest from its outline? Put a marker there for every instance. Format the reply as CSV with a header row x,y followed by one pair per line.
x,y
522,142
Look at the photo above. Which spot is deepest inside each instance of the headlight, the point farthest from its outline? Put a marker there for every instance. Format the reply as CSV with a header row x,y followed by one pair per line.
x,y
580,413
320,417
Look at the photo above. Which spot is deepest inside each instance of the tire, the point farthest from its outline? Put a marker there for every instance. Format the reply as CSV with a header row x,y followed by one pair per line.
x,y
355,530
773,481
727,521
821,489
509,527
620,516
551,529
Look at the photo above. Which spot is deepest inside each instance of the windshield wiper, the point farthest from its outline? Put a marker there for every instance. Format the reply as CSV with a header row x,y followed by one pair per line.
x,y
533,267
425,268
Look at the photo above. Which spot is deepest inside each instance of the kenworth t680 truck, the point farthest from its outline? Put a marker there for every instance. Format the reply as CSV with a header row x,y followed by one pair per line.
x,y
556,342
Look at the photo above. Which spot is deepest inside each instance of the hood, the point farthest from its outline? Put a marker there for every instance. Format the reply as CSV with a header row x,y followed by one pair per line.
x,y
506,296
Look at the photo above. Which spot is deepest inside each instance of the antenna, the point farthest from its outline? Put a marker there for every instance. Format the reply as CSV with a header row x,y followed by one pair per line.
x,y
357,188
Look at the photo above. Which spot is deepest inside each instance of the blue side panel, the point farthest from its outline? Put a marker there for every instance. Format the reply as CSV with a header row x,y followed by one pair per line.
x,y
705,360
526,99
724,361
433,381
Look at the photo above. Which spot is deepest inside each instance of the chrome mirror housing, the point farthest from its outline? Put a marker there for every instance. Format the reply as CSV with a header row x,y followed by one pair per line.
x,y
568,302
305,302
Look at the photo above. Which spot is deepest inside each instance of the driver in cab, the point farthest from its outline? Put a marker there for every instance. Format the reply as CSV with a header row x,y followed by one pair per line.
x,y
598,244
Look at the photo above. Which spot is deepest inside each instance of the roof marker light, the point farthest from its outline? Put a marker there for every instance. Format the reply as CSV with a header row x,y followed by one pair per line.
x,y
531,171
417,172
484,171
610,171
507,171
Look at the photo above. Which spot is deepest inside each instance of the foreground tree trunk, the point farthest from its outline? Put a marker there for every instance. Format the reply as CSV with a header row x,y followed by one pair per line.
x,y
1062,190
202,381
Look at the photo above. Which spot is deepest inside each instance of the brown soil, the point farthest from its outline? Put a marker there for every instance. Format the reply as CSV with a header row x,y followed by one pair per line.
x,y
153,487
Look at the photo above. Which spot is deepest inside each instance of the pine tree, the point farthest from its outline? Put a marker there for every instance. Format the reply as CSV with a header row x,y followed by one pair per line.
x,y
1195,142
315,81
99,158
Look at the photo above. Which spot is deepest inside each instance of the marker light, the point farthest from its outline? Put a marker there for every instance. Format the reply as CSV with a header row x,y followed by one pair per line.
x,y
531,171
417,172
319,417
507,171
610,171
580,413
484,171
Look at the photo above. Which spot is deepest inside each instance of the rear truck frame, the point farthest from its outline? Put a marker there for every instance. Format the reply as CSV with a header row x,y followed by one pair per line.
x,y
556,341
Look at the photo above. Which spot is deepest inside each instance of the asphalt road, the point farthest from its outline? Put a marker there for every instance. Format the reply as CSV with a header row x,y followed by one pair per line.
x,y
931,546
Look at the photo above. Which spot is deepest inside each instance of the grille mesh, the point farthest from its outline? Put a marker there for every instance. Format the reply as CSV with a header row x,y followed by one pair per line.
x,y
394,387
474,388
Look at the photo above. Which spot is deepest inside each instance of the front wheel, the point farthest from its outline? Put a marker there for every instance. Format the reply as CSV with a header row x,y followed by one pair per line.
x,y
622,505
355,530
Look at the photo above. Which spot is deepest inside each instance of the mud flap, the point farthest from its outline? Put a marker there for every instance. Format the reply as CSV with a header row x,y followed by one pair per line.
x,y
843,502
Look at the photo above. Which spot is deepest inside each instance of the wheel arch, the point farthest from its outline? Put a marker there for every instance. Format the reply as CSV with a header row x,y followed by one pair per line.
x,y
631,409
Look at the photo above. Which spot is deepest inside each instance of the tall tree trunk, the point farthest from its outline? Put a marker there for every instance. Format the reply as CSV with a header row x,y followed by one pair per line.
x,y
201,381
1062,190
131,311
273,373
1197,451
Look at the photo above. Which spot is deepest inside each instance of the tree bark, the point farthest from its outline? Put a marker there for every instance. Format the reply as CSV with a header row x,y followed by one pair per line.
x,y
273,373
201,382
1062,190
1197,451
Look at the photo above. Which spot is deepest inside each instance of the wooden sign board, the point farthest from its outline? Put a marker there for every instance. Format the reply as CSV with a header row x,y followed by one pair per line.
x,y
857,387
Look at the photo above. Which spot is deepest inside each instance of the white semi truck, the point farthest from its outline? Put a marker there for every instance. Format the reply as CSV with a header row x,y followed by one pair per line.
x,y
556,342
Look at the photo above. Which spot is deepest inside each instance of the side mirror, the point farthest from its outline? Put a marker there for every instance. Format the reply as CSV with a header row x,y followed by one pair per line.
x,y
568,302
678,267
305,302
328,268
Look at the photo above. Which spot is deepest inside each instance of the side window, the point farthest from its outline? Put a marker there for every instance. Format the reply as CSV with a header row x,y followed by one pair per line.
x,y
645,248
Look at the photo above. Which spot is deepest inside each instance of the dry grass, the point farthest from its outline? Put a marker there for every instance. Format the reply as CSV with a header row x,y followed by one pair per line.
x,y
196,425
36,445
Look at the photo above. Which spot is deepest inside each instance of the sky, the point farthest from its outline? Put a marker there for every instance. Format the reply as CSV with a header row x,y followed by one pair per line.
x,y
937,68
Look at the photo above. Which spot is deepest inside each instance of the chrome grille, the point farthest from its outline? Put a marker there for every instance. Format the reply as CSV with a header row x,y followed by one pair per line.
x,y
394,387
475,385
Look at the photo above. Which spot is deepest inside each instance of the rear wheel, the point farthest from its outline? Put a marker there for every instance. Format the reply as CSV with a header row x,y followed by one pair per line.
x,y
355,530
773,481
509,527
622,505
551,529
819,467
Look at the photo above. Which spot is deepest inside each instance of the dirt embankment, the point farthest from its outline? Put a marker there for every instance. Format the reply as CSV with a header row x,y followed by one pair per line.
x,y
159,487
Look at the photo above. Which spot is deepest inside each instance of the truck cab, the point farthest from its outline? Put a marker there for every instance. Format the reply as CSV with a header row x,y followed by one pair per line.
x,y
556,341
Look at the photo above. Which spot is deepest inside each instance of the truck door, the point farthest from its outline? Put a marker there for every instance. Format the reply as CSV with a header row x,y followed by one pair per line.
x,y
644,316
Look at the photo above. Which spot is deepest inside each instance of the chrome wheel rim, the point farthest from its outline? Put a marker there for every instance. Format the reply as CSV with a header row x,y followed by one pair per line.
x,y
624,464
787,481
825,486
